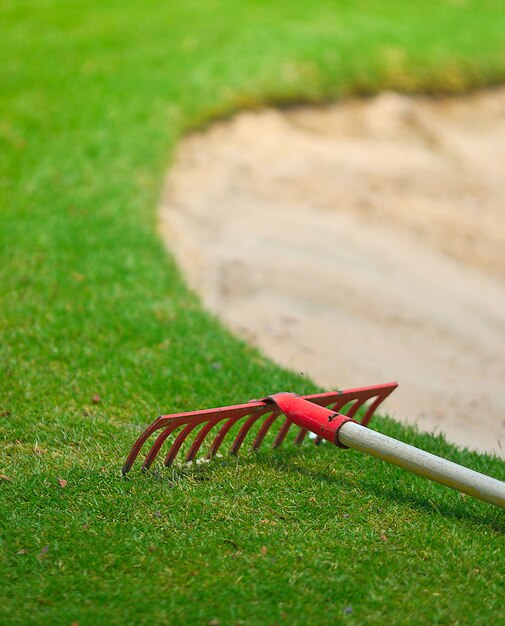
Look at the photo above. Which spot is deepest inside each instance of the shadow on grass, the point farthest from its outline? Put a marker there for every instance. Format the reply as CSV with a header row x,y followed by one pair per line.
x,y
287,461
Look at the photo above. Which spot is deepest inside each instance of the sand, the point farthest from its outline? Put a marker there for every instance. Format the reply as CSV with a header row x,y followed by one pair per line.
x,y
359,243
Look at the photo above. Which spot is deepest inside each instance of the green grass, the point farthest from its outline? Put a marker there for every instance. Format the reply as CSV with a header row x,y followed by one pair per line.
x,y
94,97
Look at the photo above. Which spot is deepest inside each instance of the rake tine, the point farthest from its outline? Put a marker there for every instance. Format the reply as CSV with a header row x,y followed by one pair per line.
x,y
371,409
181,437
156,425
160,440
354,408
218,440
302,433
195,446
264,429
281,435
337,406
239,439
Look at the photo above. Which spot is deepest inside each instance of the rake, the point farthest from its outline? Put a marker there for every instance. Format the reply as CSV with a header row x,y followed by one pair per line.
x,y
332,416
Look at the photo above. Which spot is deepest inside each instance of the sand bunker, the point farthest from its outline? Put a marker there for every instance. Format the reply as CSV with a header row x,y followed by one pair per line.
x,y
359,243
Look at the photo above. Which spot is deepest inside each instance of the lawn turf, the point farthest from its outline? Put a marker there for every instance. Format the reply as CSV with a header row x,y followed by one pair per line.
x,y
99,333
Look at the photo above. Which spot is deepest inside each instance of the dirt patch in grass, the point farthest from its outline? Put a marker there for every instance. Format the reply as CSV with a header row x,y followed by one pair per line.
x,y
359,243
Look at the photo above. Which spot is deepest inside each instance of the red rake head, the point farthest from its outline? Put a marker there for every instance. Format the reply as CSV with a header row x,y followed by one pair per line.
x,y
345,403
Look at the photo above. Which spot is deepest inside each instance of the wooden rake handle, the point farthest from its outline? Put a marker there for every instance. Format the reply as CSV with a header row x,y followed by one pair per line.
x,y
423,463
345,432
